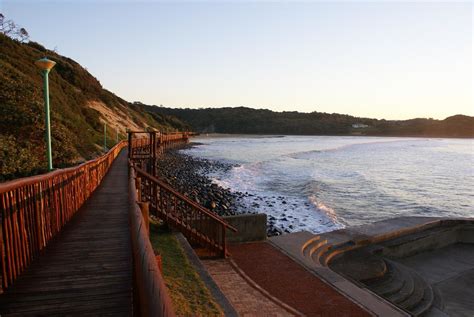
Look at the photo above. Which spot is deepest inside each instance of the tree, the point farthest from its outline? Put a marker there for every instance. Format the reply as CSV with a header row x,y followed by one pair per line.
x,y
23,35
10,29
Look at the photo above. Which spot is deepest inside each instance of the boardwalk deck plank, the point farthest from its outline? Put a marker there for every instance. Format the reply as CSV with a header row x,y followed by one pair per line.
x,y
87,269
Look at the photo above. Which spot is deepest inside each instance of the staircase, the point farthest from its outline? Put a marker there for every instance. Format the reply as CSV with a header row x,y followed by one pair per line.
x,y
404,287
391,280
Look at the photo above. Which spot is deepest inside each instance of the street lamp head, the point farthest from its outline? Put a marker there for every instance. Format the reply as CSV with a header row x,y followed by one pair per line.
x,y
45,64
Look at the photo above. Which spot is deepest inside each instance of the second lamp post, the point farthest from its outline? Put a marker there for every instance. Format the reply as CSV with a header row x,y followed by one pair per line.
x,y
45,65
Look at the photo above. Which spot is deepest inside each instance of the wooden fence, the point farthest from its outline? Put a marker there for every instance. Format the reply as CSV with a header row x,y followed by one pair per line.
x,y
33,210
145,146
151,298
195,222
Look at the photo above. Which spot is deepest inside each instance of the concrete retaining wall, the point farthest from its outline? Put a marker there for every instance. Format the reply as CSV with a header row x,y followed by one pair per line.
x,y
251,227
466,234
446,235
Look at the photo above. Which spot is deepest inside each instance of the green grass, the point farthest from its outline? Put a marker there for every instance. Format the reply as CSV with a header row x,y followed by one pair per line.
x,y
188,293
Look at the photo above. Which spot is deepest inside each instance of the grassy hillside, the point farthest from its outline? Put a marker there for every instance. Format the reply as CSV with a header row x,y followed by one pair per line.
x,y
261,121
79,109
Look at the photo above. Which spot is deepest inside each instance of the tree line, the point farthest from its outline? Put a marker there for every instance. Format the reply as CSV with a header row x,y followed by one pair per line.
x,y
262,121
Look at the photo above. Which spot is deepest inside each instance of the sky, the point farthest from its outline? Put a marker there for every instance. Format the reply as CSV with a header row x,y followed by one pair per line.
x,y
378,59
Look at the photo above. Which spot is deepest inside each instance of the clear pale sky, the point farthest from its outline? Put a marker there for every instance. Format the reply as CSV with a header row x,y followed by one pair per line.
x,y
393,60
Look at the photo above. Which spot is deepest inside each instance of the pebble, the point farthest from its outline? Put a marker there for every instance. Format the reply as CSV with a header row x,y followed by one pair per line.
x,y
187,174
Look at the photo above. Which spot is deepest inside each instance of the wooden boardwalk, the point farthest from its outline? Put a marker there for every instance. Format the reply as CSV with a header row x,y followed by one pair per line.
x,y
87,269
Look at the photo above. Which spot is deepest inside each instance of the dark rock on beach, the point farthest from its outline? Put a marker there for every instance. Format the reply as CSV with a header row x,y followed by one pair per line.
x,y
188,175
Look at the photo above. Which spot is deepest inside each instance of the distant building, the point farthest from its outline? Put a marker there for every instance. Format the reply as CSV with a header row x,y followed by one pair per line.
x,y
359,125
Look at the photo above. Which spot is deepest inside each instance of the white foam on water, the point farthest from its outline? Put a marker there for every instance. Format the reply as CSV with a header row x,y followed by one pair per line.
x,y
238,178
328,211
288,212
323,183
293,213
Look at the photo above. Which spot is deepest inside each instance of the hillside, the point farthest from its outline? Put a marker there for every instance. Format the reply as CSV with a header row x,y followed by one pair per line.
x,y
261,121
79,108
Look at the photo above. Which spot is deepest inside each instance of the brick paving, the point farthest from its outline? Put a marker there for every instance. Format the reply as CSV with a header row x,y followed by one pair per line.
x,y
247,300
289,282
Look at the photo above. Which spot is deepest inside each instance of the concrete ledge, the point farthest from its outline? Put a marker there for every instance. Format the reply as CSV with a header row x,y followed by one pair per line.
x,y
363,297
397,237
251,227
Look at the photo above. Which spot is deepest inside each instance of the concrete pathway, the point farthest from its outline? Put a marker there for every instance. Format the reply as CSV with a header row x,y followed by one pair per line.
x,y
246,299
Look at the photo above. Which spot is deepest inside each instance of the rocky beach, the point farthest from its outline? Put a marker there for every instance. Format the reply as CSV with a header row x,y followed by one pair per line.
x,y
188,175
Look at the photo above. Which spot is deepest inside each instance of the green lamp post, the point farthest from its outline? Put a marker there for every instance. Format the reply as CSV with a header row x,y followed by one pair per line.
x,y
105,137
45,65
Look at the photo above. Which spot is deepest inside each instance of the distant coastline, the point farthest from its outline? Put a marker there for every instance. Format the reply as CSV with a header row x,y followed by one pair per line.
x,y
233,135
249,121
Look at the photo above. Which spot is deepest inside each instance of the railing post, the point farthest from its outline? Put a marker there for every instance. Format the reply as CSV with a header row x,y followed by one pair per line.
x,y
138,187
129,144
2,256
145,208
224,244
153,163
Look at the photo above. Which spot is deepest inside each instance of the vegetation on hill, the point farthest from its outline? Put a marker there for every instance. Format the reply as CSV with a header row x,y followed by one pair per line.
x,y
261,121
79,109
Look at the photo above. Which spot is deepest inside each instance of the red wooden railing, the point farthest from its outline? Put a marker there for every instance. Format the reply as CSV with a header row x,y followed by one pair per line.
x,y
151,298
195,222
145,146
34,209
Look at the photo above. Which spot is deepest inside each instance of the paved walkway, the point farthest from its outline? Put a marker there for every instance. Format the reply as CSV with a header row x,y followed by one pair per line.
x,y
87,269
245,299
288,281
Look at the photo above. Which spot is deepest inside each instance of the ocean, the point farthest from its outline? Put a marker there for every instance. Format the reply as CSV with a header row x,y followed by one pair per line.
x,y
323,183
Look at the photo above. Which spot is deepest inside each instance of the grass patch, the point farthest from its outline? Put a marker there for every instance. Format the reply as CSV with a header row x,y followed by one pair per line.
x,y
188,293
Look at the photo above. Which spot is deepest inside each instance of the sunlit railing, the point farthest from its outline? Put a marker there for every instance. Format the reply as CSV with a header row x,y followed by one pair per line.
x,y
197,224
150,295
145,146
34,209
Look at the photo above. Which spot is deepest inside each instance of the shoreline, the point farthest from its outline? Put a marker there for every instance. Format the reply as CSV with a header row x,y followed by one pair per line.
x,y
187,174
253,135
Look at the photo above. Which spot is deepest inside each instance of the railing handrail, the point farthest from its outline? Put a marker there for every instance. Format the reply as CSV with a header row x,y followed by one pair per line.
x,y
33,210
184,198
15,183
162,133
149,281
197,223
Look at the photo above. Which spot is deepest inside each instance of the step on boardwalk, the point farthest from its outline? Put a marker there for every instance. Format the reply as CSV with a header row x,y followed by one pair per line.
x,y
87,269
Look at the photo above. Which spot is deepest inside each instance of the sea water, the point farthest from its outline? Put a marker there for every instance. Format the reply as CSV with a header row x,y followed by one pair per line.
x,y
322,183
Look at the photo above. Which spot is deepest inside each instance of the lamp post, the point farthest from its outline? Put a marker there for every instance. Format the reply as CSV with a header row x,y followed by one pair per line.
x,y
45,65
105,137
